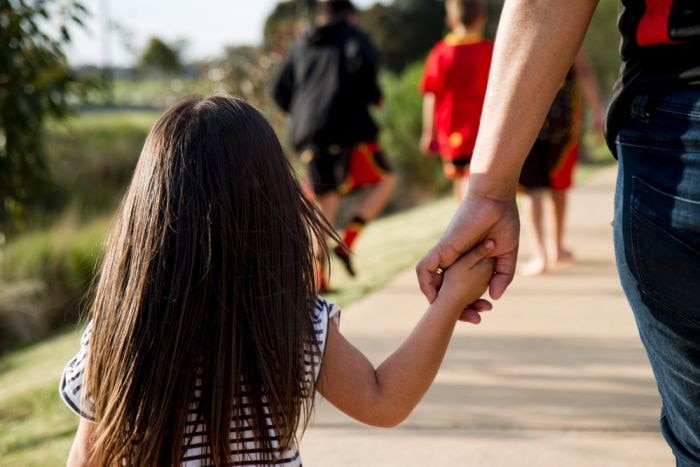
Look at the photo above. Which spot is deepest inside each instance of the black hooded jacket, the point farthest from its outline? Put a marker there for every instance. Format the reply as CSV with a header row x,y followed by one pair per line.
x,y
326,84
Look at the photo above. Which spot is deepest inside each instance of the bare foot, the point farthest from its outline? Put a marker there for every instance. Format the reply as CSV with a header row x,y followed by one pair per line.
x,y
563,259
534,267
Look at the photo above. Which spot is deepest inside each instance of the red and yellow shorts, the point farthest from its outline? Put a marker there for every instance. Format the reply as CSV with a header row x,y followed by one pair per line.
x,y
552,159
344,170
456,168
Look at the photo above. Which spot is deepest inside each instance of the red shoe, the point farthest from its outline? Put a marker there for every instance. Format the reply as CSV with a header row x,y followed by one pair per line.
x,y
343,255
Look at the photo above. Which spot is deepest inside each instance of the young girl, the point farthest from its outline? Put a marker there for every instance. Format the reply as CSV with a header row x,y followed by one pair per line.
x,y
207,341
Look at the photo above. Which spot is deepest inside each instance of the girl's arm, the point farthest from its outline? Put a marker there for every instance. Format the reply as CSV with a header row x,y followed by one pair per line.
x,y
82,445
385,396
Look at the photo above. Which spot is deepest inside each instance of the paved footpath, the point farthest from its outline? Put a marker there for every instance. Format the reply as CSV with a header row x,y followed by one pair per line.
x,y
555,376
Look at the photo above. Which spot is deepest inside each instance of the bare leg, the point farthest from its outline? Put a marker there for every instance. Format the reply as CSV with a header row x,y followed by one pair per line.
x,y
457,189
533,220
460,186
560,255
370,206
375,198
329,204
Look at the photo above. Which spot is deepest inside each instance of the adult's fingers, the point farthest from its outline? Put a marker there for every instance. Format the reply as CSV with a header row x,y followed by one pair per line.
x,y
504,274
479,252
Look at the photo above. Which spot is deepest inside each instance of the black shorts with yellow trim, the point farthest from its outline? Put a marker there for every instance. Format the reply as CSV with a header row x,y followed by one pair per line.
x,y
345,169
456,168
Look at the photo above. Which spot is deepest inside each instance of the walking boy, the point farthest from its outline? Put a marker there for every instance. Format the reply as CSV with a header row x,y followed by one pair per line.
x,y
454,85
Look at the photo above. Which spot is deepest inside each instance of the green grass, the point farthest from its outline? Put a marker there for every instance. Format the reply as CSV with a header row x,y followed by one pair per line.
x,y
66,251
36,429
91,157
159,92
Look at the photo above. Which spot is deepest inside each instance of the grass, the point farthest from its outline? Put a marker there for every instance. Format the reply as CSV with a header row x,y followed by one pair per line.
x,y
67,250
92,155
36,429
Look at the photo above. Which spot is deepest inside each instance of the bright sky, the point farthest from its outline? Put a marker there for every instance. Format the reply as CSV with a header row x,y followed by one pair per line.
x,y
206,25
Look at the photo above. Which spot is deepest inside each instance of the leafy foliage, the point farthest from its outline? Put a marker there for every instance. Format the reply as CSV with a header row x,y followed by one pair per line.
x,y
35,83
283,24
420,176
161,56
601,45
404,30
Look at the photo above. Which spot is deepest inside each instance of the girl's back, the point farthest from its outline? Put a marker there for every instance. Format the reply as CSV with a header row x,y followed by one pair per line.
x,y
204,321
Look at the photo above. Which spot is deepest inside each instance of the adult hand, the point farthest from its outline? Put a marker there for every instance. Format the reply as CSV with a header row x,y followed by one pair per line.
x,y
477,219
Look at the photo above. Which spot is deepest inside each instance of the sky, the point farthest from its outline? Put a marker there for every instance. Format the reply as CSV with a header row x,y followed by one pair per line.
x,y
206,26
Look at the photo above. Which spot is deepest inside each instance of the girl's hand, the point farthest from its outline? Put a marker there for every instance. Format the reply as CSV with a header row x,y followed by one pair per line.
x,y
473,312
467,280
428,144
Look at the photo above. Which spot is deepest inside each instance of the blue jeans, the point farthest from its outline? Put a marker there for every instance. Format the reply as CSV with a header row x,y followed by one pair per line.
x,y
657,245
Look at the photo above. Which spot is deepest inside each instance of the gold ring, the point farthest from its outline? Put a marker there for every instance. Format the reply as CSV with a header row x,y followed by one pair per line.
x,y
439,271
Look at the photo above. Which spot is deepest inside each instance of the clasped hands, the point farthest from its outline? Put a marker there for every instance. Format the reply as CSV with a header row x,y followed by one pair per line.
x,y
483,227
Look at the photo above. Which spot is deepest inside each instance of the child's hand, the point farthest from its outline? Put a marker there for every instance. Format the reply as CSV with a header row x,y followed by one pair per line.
x,y
467,280
428,144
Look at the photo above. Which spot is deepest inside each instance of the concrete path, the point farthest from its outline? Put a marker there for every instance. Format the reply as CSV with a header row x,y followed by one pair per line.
x,y
555,376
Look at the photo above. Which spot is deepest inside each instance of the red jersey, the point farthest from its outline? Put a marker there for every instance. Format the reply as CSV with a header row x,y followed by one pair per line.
x,y
457,72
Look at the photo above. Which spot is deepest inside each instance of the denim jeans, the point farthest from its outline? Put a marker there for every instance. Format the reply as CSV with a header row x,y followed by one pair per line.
x,y
657,246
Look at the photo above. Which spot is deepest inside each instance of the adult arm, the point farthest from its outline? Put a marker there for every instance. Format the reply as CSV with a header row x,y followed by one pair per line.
x,y
535,46
385,396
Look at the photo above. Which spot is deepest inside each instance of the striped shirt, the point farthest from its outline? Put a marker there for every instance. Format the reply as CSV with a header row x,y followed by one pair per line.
x,y
195,450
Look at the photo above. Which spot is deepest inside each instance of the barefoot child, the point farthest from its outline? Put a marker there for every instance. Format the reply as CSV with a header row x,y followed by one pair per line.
x,y
550,166
454,86
207,341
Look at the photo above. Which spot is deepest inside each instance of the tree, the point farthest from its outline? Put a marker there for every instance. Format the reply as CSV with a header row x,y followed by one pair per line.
x,y
35,83
601,45
405,30
284,24
158,55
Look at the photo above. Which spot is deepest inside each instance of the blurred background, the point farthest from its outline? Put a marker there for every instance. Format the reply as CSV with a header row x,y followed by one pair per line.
x,y
81,83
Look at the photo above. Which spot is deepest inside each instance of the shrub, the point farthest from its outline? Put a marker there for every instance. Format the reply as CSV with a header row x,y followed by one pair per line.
x,y
420,177
44,275
64,254
92,158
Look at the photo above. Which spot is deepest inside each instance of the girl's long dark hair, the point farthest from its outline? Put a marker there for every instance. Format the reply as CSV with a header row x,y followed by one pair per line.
x,y
209,277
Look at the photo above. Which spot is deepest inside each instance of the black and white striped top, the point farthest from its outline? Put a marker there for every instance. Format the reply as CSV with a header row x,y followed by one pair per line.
x,y
242,445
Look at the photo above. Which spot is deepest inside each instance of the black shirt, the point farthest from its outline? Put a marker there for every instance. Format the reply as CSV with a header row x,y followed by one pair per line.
x,y
660,51
326,83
